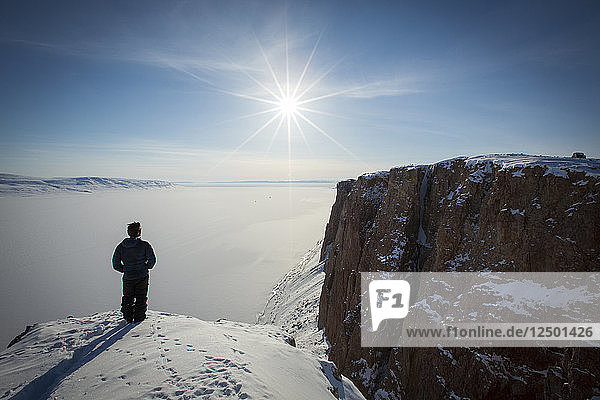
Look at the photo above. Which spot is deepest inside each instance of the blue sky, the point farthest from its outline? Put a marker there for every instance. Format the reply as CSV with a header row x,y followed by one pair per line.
x,y
160,89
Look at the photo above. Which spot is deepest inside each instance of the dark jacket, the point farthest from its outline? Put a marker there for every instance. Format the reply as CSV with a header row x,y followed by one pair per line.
x,y
133,257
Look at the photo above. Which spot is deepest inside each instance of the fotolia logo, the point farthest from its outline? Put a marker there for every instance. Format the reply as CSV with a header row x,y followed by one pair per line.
x,y
389,299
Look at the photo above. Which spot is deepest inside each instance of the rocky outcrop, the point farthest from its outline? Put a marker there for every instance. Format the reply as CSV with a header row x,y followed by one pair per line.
x,y
20,336
501,213
343,189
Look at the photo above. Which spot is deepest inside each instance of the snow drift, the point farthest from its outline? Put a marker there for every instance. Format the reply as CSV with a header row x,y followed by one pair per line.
x,y
167,356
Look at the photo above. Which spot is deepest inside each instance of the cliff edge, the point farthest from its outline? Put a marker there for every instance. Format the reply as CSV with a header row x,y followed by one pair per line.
x,y
168,356
496,212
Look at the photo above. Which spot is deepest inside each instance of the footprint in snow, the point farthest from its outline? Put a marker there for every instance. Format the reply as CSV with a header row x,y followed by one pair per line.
x,y
203,391
102,377
230,337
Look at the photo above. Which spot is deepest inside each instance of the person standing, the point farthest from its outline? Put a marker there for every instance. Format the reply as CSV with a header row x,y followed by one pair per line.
x,y
134,257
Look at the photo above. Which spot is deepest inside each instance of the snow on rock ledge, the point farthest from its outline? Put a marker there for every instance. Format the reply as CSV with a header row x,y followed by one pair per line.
x,y
167,356
294,306
294,303
558,166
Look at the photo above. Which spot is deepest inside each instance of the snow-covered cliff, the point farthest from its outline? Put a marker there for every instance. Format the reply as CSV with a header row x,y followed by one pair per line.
x,y
498,213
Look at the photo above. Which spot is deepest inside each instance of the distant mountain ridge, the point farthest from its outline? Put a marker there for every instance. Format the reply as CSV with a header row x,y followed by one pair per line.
x,y
11,184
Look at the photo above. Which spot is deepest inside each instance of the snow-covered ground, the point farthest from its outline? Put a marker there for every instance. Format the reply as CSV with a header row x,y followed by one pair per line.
x,y
167,356
171,356
220,250
294,303
26,185
559,166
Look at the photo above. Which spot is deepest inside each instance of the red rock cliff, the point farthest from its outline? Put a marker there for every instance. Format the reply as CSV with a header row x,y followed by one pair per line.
x,y
500,212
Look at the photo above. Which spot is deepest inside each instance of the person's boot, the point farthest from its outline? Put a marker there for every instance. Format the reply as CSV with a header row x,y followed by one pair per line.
x,y
127,311
139,309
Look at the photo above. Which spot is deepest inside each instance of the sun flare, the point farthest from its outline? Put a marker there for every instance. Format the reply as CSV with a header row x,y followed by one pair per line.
x,y
288,106
287,101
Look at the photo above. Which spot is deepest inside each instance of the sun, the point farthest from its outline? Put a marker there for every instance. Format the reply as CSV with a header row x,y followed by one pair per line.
x,y
287,100
288,106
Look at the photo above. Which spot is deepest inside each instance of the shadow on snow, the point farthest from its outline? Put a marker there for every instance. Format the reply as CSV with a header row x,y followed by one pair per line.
x,y
42,386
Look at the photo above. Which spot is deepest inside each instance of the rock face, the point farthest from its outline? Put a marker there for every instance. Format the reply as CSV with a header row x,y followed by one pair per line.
x,y
500,212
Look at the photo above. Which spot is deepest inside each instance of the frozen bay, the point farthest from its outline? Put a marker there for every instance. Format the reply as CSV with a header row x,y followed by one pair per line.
x,y
220,249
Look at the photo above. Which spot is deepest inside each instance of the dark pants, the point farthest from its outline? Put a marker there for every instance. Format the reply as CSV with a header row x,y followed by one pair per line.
x,y
135,289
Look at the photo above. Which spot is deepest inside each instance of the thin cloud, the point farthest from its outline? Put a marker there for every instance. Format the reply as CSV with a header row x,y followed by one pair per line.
x,y
208,67
383,88
33,43
71,50
190,62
